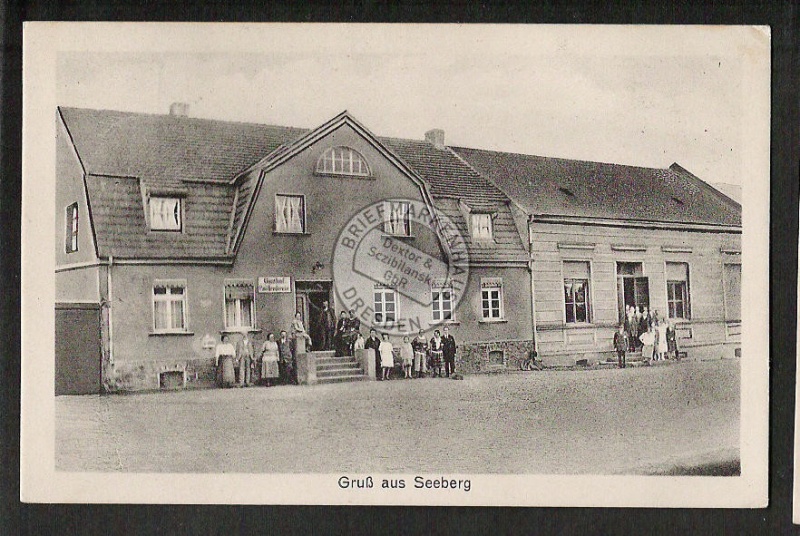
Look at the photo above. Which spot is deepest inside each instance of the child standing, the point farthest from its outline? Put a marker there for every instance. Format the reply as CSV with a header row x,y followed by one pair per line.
x,y
621,344
407,355
387,355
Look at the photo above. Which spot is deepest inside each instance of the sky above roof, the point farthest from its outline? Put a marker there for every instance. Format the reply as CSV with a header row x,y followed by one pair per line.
x,y
641,96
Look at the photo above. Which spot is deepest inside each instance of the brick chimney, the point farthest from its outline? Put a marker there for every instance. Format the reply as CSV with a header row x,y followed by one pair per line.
x,y
435,137
179,109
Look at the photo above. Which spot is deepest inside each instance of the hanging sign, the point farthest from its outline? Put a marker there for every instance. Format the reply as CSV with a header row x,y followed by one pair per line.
x,y
274,284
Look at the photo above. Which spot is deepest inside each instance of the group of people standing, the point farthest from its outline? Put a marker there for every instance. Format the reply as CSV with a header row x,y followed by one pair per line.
x,y
646,330
417,357
240,365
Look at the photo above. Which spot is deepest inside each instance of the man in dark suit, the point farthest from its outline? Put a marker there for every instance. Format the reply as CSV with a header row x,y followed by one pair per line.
x,y
328,324
374,342
621,345
449,351
341,333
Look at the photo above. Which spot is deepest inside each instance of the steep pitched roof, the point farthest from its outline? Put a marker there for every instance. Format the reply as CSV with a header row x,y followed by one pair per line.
x,y
559,187
168,148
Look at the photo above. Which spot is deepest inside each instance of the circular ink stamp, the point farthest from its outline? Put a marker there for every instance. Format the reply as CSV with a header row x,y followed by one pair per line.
x,y
401,265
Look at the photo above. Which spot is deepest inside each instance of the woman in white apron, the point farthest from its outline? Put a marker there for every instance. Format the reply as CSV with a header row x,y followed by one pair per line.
x,y
269,360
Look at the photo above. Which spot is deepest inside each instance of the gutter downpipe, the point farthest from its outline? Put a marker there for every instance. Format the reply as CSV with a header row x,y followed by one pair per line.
x,y
110,312
533,286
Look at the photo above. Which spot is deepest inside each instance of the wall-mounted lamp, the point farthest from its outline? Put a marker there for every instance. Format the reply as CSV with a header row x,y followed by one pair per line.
x,y
317,266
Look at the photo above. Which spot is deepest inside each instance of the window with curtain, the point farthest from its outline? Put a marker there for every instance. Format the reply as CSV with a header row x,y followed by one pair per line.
x,y
290,214
342,161
482,226
169,306
396,214
442,303
72,228
678,290
239,301
165,214
492,298
384,305
576,291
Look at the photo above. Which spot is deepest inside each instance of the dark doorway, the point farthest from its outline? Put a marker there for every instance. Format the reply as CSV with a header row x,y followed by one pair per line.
x,y
78,350
310,296
633,288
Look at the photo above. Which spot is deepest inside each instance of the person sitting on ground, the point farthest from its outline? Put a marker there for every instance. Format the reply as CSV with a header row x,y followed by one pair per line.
x,y
387,356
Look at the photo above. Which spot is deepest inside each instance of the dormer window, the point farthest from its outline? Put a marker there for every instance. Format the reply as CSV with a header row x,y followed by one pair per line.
x,y
396,222
342,161
481,226
165,214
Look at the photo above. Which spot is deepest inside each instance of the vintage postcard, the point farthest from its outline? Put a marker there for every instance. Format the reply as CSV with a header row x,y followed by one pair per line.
x,y
395,264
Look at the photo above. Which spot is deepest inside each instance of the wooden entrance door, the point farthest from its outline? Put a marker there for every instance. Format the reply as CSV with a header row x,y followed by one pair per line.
x,y
310,296
78,349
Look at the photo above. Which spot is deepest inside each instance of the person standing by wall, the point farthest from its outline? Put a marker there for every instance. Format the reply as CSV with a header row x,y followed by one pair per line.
x,y
374,343
436,350
299,330
224,354
339,337
406,357
449,351
386,351
328,324
621,345
244,357
672,340
286,359
661,339
420,346
360,343
269,360
648,339
353,327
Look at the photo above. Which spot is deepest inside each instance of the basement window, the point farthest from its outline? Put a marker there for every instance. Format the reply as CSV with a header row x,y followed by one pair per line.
x,y
566,191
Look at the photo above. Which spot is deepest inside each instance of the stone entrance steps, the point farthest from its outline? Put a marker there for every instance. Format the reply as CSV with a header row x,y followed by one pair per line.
x,y
331,369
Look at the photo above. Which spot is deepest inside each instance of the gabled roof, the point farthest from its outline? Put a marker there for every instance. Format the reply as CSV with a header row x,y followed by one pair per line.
x,y
546,186
281,154
128,154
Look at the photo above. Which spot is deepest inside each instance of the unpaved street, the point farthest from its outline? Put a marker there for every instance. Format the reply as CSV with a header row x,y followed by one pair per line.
x,y
637,420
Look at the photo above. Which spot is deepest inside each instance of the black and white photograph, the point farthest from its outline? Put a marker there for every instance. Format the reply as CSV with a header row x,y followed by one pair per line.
x,y
396,264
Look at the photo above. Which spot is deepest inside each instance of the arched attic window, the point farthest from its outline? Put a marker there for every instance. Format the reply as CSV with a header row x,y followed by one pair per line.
x,y
342,161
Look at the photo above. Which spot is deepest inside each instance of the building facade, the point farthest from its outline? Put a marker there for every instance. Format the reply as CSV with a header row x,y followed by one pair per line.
x,y
177,230
605,236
